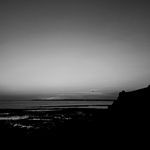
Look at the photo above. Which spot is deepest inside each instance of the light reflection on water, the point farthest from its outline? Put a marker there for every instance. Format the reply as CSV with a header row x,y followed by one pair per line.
x,y
18,125
28,114
46,117
14,117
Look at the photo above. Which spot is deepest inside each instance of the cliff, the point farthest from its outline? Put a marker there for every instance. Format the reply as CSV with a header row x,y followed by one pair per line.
x,y
132,102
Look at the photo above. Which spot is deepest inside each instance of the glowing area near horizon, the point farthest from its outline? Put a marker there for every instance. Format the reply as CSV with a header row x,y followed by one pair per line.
x,y
69,63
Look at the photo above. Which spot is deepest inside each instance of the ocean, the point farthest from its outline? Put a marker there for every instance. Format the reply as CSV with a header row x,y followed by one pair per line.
x,y
29,117
49,104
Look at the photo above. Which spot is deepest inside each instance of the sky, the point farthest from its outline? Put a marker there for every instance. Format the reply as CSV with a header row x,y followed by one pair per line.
x,y
49,46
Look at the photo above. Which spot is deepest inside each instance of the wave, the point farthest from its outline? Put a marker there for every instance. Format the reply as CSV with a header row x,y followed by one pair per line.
x,y
14,117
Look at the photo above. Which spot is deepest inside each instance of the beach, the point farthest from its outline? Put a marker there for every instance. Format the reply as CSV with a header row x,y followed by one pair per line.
x,y
39,122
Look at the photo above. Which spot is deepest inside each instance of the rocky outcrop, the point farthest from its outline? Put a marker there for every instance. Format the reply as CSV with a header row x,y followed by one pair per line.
x,y
132,102
129,115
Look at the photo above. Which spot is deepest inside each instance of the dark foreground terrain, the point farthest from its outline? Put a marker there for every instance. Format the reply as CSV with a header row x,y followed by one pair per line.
x,y
125,122
56,124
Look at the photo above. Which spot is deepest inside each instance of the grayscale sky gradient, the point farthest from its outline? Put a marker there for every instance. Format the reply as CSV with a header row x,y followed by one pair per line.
x,y
74,45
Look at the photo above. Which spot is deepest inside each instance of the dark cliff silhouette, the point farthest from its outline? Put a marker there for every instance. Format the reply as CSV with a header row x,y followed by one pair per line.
x,y
132,102
130,113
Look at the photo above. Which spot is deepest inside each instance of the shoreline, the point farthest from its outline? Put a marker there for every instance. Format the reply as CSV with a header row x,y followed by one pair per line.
x,y
51,123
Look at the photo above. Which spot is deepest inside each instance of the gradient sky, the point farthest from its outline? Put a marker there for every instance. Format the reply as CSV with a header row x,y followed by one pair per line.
x,y
74,46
